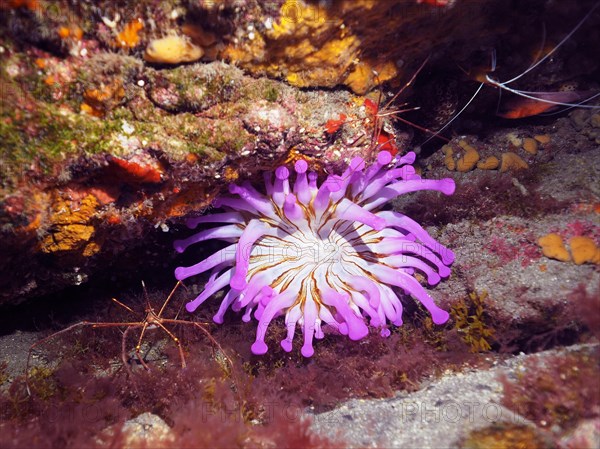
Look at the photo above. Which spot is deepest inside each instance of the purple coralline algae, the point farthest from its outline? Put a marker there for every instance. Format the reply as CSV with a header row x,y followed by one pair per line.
x,y
327,254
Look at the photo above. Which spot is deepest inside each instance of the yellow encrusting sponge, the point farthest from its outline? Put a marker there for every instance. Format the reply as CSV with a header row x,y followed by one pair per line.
x,y
554,248
172,49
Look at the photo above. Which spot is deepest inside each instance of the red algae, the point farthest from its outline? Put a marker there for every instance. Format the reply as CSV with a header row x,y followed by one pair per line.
x,y
557,391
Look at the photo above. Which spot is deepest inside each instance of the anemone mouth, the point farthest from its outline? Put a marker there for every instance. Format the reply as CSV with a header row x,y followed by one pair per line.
x,y
322,254
293,257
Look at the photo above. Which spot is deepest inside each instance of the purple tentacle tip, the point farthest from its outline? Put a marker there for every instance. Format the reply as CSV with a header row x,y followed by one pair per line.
x,y
282,173
447,186
180,273
301,166
384,157
259,348
307,351
179,246
190,307
440,316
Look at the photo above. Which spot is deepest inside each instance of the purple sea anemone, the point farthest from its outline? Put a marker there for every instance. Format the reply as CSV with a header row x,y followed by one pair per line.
x,y
321,254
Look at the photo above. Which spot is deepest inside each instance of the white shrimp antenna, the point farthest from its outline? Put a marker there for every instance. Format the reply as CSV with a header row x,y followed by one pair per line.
x,y
551,52
523,93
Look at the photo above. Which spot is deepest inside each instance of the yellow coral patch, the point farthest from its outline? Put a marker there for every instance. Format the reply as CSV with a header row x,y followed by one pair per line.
x,y
362,78
71,227
448,160
172,50
309,65
128,37
469,159
553,247
230,174
68,238
584,250
64,32
514,140
512,161
91,249
298,16
100,100
491,163
542,138
530,145
311,45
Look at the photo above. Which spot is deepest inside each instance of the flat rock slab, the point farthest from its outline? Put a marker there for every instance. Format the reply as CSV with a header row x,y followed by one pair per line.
x,y
440,415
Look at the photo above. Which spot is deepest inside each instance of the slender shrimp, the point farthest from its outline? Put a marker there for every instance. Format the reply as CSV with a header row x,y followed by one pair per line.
x,y
533,102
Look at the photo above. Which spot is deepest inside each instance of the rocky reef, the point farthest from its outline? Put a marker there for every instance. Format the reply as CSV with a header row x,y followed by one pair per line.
x,y
111,130
120,120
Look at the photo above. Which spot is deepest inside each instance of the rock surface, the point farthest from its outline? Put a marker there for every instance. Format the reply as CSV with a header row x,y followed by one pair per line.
x,y
101,147
443,414
104,150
